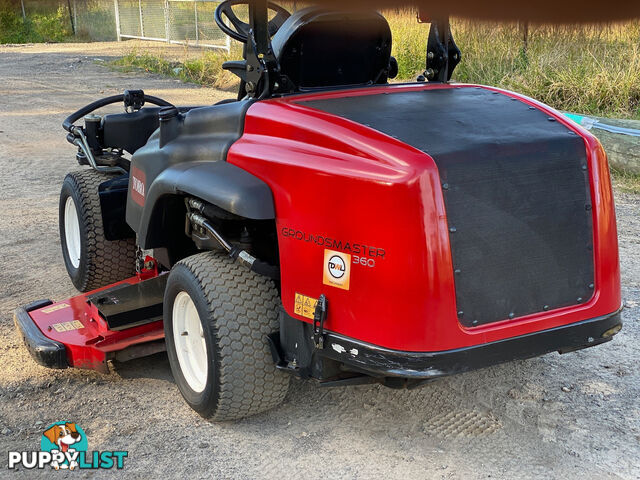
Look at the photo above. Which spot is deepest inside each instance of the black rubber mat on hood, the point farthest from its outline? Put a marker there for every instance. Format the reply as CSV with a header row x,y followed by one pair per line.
x,y
516,191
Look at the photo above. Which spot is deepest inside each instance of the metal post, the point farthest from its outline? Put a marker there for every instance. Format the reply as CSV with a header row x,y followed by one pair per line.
x,y
195,9
141,22
117,12
75,16
24,15
71,19
167,21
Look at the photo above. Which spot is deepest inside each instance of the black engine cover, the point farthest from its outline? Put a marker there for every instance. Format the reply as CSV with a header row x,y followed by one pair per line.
x,y
516,190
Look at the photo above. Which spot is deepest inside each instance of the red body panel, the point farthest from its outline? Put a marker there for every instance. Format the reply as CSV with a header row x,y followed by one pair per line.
x,y
342,181
89,346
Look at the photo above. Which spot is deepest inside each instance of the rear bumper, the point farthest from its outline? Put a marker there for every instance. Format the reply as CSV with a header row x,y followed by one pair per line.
x,y
382,362
45,351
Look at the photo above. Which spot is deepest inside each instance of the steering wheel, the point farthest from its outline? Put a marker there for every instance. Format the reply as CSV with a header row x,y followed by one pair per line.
x,y
241,32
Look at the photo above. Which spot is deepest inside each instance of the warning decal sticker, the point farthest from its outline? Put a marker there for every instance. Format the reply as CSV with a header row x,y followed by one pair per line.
x,y
67,326
337,269
305,306
54,308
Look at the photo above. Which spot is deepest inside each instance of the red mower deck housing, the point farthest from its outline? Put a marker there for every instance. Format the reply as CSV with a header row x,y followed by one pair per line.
x,y
73,333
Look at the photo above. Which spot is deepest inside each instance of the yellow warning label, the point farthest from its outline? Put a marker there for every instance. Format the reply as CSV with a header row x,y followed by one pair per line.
x,y
305,306
54,308
67,326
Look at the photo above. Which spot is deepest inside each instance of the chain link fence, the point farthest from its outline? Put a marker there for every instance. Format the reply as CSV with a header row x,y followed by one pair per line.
x,y
188,22
174,21
94,19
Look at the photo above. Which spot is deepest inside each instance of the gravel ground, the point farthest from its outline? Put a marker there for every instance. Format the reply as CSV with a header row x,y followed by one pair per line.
x,y
550,417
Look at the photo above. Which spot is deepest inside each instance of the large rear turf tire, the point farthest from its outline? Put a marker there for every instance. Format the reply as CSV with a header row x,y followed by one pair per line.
x,y
91,260
216,317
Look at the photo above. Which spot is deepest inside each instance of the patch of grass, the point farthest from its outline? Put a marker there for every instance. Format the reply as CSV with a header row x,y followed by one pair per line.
x,y
13,29
49,26
49,21
205,69
592,69
626,182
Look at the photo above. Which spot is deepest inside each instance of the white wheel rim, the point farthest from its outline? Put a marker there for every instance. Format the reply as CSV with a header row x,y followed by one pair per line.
x,y
72,232
188,338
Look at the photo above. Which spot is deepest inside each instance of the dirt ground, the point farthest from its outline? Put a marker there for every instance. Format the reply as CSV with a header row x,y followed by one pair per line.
x,y
569,416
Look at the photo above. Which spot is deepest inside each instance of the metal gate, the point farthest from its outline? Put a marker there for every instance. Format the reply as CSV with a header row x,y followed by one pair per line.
x,y
186,22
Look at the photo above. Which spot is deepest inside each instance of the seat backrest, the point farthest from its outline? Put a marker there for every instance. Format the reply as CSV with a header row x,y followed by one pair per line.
x,y
317,47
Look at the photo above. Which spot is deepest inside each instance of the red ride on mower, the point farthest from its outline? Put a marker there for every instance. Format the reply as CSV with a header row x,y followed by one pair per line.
x,y
329,225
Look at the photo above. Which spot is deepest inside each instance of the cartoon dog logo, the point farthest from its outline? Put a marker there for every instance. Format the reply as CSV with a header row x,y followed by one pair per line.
x,y
63,435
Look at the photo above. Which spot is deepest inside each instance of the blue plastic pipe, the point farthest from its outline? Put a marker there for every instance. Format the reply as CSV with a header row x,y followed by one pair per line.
x,y
589,123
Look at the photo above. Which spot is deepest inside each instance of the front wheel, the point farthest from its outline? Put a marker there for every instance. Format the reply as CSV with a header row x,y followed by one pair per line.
x,y
216,317
91,260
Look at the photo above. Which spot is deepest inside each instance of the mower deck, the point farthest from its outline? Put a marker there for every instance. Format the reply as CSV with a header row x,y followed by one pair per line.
x,y
121,321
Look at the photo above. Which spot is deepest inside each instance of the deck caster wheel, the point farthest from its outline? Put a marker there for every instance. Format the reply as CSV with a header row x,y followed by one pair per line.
x,y
216,317
91,260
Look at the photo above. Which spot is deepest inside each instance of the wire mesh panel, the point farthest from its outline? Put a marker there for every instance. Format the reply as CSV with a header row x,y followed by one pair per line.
x,y
94,19
176,21
182,25
51,20
129,18
59,20
39,7
208,31
153,19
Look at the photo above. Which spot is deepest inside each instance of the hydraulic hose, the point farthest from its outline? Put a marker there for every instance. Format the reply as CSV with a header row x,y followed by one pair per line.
x,y
75,116
241,256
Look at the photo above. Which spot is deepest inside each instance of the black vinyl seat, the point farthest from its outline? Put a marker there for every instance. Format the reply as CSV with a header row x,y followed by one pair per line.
x,y
317,48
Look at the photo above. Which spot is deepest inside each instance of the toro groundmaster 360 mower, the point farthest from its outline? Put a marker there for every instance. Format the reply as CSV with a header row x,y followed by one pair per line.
x,y
329,225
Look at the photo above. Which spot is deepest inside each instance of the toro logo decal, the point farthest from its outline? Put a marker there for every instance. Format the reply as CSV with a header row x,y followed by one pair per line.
x,y
337,269
64,446
138,181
